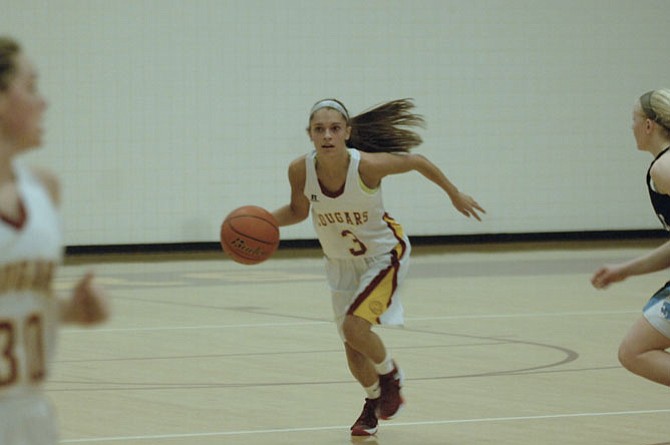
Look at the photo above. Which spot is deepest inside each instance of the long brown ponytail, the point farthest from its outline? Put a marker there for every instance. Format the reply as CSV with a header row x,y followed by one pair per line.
x,y
384,128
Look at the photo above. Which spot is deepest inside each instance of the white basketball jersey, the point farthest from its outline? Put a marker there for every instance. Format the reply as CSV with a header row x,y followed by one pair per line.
x,y
351,222
30,250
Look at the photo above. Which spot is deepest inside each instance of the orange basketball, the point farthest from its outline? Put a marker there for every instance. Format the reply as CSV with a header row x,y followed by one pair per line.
x,y
250,235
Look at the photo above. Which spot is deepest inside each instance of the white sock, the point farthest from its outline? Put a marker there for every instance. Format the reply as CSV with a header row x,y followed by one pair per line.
x,y
385,366
374,391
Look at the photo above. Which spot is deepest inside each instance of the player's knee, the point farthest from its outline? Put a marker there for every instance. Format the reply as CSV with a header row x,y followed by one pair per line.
x,y
353,328
627,357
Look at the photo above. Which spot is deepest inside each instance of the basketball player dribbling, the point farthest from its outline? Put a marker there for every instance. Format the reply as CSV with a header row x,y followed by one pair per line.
x,y
30,251
366,250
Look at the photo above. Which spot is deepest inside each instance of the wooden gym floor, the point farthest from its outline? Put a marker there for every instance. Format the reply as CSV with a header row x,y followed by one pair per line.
x,y
503,344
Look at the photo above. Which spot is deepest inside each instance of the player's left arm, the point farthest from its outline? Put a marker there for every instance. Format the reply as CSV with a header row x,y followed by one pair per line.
x,y
375,166
87,304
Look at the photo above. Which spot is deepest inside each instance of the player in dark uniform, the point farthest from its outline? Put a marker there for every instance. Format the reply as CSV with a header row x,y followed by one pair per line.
x,y
643,350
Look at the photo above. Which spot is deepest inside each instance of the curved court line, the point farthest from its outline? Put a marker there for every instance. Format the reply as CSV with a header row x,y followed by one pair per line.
x,y
569,356
346,427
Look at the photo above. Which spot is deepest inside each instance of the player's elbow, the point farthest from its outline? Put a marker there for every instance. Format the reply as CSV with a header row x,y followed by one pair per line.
x,y
300,214
419,163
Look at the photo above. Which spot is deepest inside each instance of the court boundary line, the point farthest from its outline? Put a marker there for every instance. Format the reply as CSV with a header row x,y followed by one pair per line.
x,y
346,427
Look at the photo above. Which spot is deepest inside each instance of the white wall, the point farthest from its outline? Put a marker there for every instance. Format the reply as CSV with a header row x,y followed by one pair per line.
x,y
166,114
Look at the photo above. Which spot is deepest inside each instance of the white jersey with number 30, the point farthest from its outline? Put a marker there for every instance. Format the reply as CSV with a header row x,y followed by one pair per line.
x,y
30,250
350,222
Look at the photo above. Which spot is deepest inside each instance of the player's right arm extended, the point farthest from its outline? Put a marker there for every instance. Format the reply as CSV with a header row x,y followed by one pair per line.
x,y
298,209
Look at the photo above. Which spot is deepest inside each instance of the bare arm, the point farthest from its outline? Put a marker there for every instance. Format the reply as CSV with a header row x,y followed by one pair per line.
x,y
298,209
87,303
376,166
657,259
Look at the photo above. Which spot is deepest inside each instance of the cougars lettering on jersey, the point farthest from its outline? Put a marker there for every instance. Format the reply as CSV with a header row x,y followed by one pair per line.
x,y
351,218
351,222
27,275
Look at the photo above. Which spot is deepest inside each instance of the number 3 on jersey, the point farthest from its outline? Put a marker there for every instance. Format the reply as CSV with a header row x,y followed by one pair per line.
x,y
32,346
359,248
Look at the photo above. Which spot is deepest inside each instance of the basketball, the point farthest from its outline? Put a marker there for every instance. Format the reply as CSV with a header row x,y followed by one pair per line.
x,y
249,235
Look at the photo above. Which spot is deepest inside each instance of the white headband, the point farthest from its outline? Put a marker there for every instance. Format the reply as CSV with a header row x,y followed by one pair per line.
x,y
329,104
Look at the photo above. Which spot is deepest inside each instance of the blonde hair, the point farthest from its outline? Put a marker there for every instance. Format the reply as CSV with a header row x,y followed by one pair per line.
x,y
656,106
383,128
9,49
